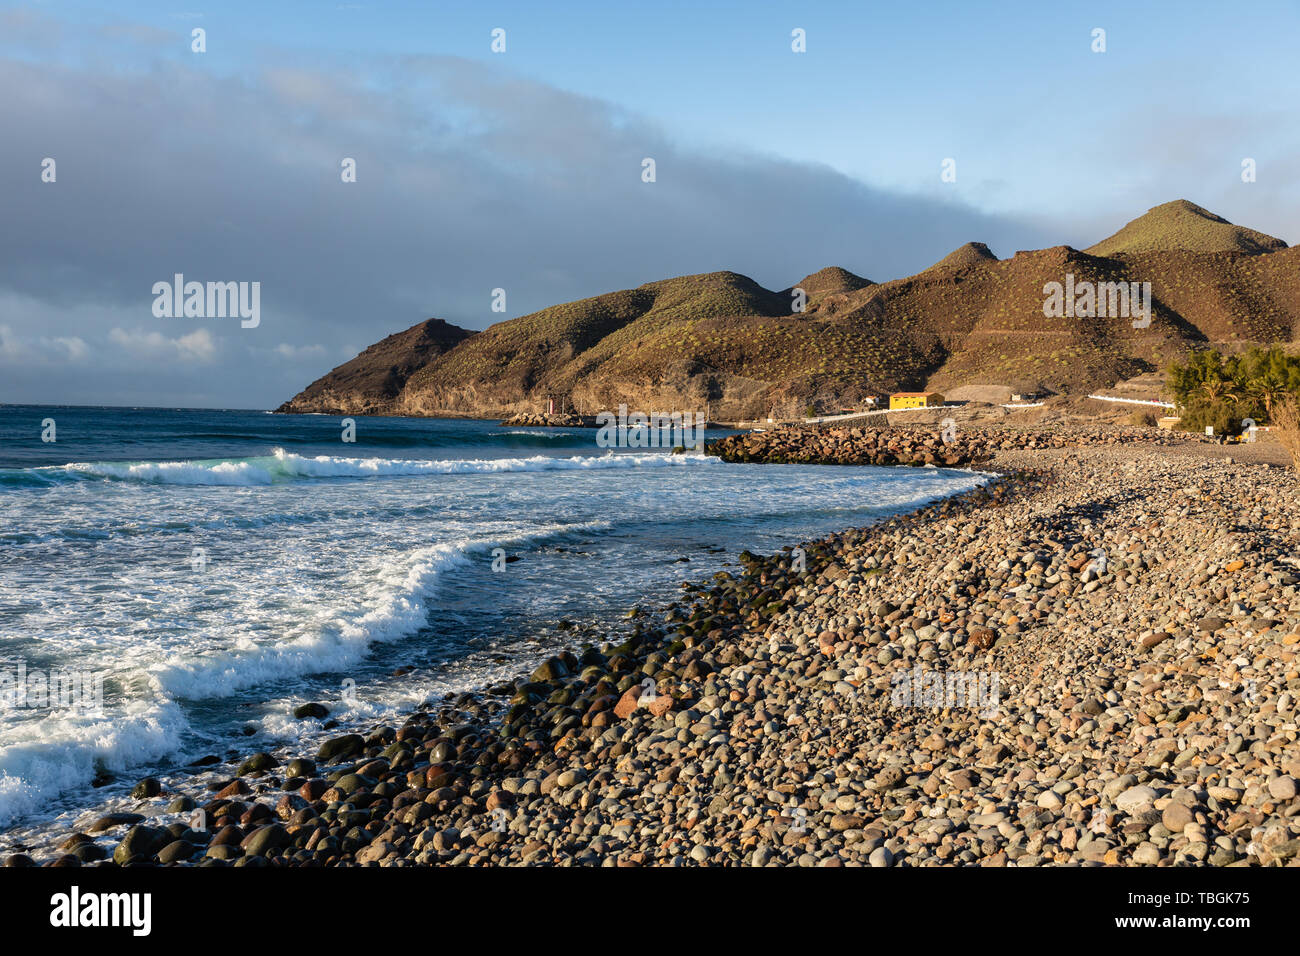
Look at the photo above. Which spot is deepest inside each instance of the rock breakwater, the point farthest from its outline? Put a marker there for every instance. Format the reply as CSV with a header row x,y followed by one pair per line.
x,y
958,447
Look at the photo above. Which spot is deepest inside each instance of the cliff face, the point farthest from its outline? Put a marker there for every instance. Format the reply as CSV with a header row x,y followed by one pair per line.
x,y
370,383
722,340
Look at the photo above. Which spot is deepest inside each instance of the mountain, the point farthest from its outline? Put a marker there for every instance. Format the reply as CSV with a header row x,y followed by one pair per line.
x,y
369,383
831,281
1184,225
723,341
568,351
970,254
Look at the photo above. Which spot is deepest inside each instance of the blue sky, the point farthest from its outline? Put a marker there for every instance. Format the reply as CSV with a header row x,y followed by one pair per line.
x,y
520,170
1012,90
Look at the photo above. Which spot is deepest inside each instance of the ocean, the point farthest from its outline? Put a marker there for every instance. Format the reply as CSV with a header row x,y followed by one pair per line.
x,y
207,571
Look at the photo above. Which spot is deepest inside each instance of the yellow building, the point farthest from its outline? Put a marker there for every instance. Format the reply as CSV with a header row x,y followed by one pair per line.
x,y
915,400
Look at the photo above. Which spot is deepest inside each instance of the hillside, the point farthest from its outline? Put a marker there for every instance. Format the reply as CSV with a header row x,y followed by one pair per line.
x,y
964,256
1186,226
369,383
722,340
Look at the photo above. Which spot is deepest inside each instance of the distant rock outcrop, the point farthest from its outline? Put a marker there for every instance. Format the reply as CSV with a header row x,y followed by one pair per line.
x,y
543,420
369,383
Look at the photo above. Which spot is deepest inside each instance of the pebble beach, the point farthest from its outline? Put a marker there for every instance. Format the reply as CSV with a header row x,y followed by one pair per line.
x,y
1089,661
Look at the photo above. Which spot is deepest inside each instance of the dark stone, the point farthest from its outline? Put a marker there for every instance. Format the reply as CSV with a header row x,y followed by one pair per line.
x,y
338,747
234,788
177,851
140,842
302,767
265,839
112,820
313,789
74,841
146,788
231,836
90,853
257,763
553,668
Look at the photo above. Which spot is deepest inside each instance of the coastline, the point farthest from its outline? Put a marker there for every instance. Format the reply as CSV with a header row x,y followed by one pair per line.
x,y
775,735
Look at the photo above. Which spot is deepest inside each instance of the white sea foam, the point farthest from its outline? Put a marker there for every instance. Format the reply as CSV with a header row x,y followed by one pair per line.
x,y
42,759
394,607
534,433
285,466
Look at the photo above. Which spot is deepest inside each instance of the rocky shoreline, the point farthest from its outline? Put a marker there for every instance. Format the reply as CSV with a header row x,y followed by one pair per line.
x,y
959,446
1092,660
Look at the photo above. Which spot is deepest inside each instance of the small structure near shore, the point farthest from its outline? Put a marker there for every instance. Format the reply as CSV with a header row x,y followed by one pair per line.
x,y
915,400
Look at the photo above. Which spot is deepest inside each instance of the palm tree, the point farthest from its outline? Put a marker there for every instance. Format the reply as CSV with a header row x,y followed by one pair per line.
x,y
1216,389
1267,391
1269,374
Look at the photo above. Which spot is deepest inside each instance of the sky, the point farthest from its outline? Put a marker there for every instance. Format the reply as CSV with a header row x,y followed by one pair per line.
x,y
523,169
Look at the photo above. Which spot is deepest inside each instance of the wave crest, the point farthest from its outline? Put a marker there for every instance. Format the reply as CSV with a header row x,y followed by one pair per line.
x,y
283,466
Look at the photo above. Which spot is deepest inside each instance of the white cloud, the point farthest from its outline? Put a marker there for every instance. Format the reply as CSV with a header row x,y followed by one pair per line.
x,y
59,350
299,353
198,346
75,347
10,348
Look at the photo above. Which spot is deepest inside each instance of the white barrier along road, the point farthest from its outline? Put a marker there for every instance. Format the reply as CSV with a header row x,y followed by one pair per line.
x,y
1132,401
878,411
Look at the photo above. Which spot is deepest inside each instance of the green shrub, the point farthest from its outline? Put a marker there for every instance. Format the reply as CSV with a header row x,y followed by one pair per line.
x,y
1224,416
1142,420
